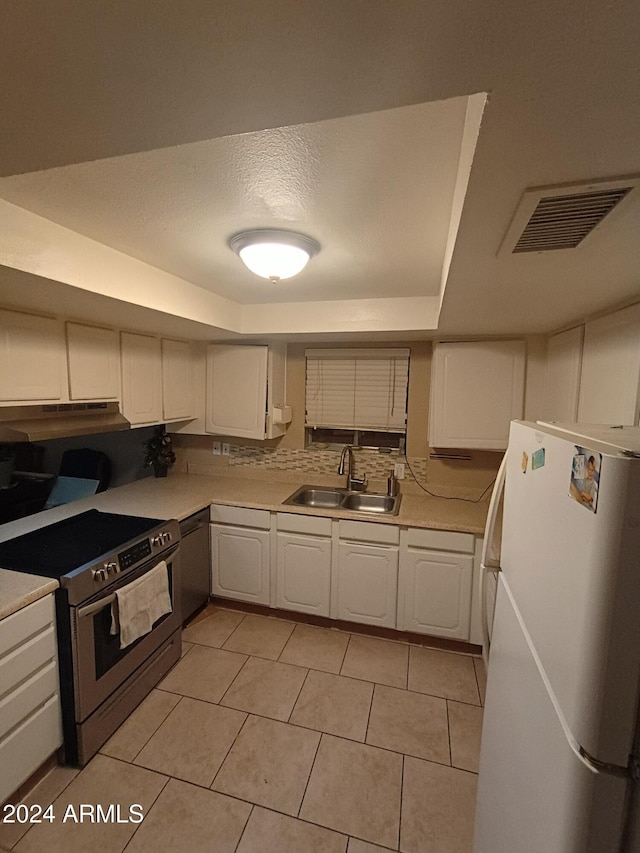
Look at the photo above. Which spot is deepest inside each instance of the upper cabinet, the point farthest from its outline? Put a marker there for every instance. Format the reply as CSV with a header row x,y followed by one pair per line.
x,y
562,385
141,379
245,389
477,388
610,381
94,362
177,380
32,358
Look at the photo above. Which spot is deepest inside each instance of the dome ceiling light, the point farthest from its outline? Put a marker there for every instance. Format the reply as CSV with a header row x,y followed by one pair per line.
x,y
272,253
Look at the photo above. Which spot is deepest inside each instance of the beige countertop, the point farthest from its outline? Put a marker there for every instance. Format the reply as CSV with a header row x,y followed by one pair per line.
x,y
180,495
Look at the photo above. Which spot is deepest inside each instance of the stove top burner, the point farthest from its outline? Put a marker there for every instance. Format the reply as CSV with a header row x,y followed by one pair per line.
x,y
60,548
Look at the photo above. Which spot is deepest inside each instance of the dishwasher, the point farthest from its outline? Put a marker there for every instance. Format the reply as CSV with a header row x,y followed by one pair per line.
x,y
195,562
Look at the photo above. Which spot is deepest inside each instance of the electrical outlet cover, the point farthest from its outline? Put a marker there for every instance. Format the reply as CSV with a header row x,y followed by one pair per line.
x,y
217,448
225,449
398,470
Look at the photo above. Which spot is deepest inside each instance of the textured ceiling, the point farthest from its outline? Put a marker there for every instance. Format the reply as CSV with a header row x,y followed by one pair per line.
x,y
375,190
93,81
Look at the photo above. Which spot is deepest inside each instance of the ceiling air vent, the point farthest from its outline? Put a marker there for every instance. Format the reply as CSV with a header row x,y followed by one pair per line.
x,y
550,218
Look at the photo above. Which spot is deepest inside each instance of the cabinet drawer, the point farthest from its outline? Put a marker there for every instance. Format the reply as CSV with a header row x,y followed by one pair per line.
x,y
315,525
26,747
25,699
440,540
24,623
364,531
24,660
241,516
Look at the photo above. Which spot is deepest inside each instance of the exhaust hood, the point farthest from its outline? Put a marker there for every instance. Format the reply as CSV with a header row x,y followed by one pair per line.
x,y
59,420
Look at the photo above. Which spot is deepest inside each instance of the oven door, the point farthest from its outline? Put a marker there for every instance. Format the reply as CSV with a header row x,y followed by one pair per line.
x,y
100,666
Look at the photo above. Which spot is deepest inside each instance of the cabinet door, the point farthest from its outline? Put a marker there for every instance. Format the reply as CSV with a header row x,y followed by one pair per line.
x,y
94,363
610,381
32,357
303,573
564,360
367,584
177,381
141,379
477,388
237,390
437,593
240,563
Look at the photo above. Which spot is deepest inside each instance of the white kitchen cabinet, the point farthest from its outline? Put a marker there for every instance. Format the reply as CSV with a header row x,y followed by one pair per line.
x,y
367,573
32,358
562,384
30,718
244,384
94,362
435,587
240,553
303,563
177,380
141,378
477,388
610,380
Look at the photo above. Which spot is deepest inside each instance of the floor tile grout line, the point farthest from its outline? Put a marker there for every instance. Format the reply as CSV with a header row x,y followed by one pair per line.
x,y
228,752
371,701
293,707
244,828
313,763
155,800
160,724
401,802
449,733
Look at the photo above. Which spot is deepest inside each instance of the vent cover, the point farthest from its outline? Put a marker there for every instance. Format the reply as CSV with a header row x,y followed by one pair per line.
x,y
551,218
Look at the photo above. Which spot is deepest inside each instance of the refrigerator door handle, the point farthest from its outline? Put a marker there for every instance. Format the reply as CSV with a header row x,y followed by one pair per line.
x,y
631,771
488,564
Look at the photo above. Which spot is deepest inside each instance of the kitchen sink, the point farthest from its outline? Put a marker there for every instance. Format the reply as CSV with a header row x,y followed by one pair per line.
x,y
363,502
333,498
312,496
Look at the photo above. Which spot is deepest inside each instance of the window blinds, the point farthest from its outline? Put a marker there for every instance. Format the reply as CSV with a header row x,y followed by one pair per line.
x,y
357,388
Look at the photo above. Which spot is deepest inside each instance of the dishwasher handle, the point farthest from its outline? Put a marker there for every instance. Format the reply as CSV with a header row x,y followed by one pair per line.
x,y
193,523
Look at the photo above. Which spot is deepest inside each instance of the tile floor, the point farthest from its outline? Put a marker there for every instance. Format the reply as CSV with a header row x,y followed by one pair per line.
x,y
270,735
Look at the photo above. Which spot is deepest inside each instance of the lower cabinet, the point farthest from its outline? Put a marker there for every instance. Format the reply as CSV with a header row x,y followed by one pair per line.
x,y
30,720
410,579
240,555
367,573
436,585
303,563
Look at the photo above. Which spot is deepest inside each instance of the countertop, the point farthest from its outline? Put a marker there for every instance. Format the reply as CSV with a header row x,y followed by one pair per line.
x,y
180,495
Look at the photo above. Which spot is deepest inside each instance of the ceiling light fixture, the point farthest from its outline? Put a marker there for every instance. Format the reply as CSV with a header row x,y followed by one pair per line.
x,y
272,253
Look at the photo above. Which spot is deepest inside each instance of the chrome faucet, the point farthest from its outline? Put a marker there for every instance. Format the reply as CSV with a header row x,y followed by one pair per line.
x,y
354,484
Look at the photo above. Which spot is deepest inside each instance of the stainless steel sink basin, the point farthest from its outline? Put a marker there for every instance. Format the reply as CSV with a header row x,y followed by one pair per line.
x,y
316,496
329,498
363,502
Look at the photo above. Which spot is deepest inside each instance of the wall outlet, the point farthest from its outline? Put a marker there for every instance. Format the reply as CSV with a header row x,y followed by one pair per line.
x,y
398,470
225,448
217,448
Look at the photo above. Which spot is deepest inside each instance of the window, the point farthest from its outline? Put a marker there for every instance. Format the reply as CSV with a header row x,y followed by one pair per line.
x,y
357,396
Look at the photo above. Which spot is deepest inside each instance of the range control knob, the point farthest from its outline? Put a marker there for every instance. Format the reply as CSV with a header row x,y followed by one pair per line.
x,y
111,567
99,575
156,541
166,537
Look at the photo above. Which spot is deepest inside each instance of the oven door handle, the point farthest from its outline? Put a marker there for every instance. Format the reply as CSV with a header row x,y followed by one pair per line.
x,y
97,605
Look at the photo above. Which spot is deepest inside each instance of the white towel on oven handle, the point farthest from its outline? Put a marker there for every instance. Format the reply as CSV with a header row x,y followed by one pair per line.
x,y
141,603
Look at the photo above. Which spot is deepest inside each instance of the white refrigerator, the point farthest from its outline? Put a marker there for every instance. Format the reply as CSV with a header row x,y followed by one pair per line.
x,y
560,731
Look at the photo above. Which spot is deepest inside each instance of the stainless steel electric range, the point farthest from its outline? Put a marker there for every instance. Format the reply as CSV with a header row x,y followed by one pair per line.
x,y
98,559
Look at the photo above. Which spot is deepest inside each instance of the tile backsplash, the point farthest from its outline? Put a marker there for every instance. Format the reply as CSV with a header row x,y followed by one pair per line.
x,y
370,462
